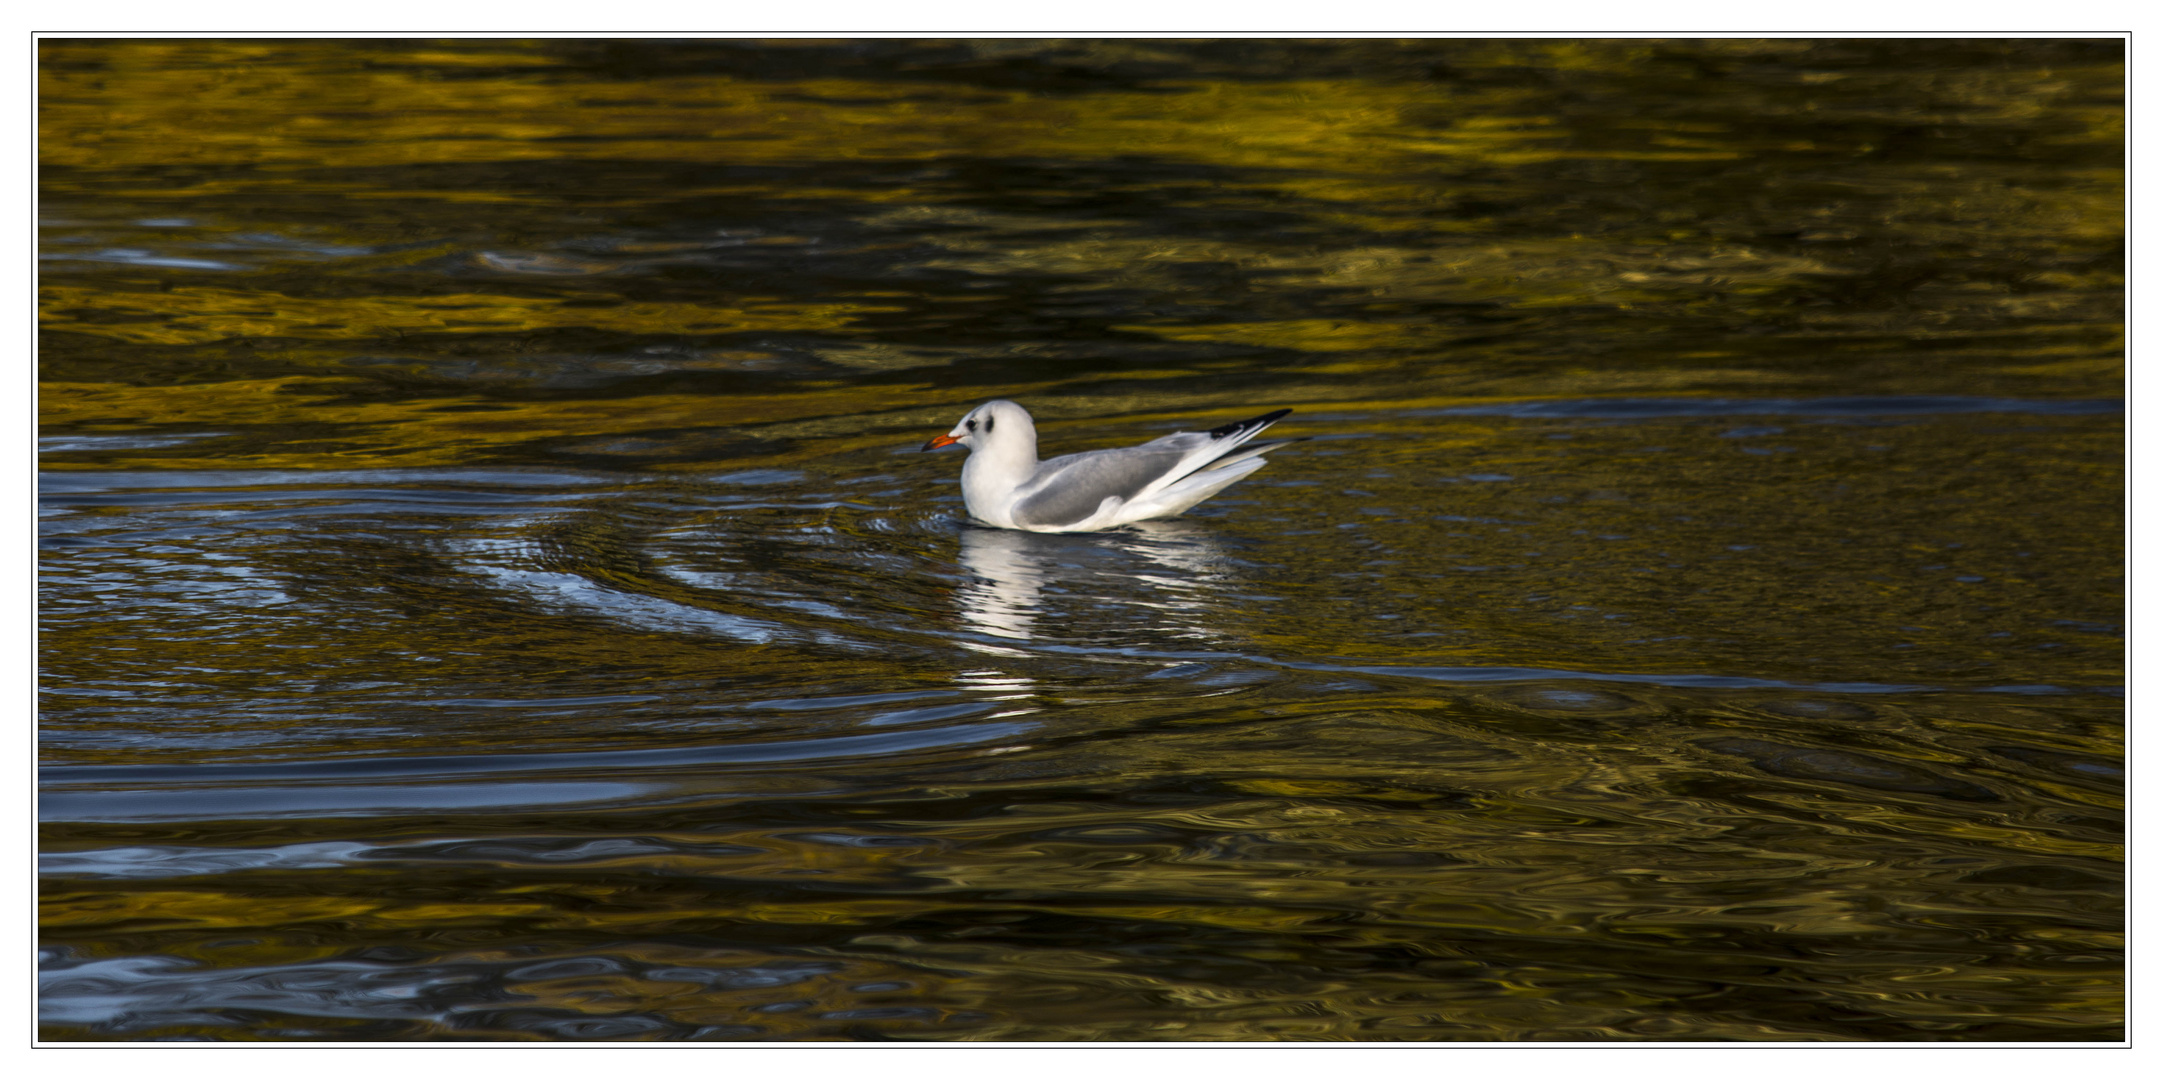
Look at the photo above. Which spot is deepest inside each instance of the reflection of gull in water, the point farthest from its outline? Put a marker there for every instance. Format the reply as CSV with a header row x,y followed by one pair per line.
x,y
1166,567
1000,597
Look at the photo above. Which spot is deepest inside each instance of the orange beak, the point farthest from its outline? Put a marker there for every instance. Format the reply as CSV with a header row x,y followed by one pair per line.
x,y
939,441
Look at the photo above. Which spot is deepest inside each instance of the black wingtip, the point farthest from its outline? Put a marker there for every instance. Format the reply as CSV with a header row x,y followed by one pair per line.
x,y
1249,424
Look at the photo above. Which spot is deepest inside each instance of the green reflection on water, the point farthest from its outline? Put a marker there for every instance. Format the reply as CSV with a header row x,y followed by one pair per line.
x,y
1460,218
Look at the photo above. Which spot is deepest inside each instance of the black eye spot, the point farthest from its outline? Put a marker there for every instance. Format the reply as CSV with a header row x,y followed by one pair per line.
x,y
987,424
971,425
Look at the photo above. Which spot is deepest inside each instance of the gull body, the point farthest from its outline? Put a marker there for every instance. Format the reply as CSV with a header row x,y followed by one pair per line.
x,y
1005,485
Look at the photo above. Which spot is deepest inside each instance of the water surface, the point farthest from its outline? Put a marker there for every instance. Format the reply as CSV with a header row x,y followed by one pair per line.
x,y
491,591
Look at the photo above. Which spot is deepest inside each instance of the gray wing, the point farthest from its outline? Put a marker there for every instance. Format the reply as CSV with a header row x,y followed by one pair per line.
x,y
1178,442
1070,488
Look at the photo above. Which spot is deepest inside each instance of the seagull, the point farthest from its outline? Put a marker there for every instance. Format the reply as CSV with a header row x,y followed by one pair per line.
x,y
1005,485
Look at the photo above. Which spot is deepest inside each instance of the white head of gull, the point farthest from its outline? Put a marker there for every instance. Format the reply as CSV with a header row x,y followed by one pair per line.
x,y
1005,485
